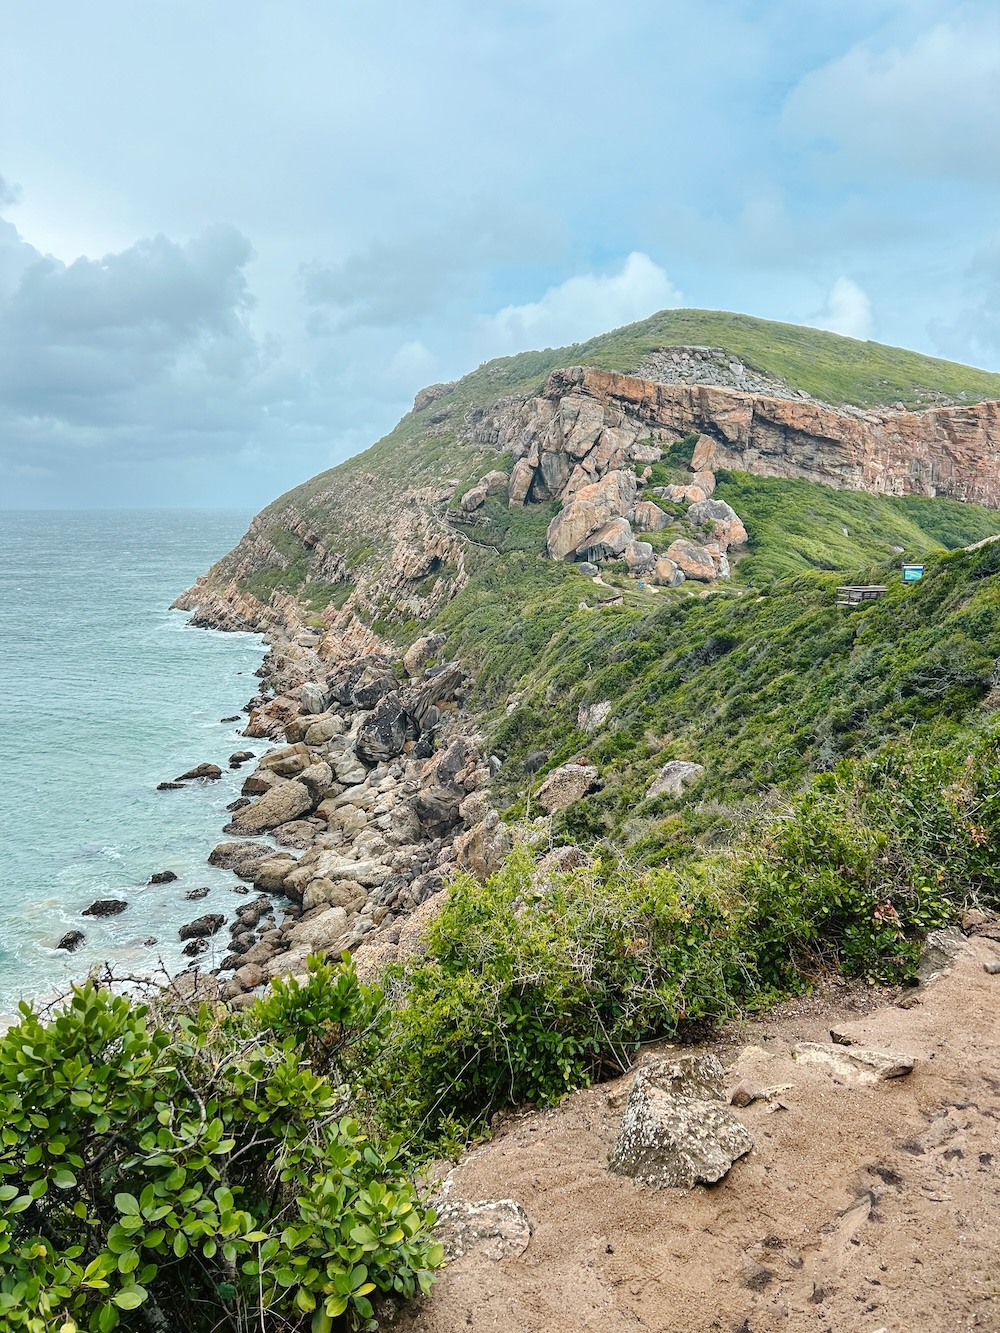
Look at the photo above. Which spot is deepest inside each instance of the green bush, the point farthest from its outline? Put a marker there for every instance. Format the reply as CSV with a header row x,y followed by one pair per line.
x,y
188,1169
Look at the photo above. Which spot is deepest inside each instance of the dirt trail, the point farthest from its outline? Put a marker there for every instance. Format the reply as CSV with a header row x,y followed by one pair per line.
x,y
861,1209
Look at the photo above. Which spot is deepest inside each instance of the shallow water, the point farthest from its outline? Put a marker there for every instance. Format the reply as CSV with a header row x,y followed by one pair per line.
x,y
108,692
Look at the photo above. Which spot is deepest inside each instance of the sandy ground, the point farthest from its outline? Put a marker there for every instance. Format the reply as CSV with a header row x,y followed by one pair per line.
x,y
861,1208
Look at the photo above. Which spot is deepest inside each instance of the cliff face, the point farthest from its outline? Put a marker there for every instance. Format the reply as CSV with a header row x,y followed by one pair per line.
x,y
588,421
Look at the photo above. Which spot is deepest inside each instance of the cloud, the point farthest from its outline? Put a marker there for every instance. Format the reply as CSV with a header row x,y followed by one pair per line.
x,y
9,194
928,107
848,310
583,306
973,333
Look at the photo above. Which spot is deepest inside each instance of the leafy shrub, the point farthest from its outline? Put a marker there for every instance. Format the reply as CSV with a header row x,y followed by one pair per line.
x,y
178,1169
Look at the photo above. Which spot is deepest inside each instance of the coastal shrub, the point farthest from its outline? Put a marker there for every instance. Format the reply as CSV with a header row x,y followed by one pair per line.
x,y
192,1170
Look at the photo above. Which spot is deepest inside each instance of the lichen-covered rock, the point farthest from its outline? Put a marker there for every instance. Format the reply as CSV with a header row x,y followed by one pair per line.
x,y
384,732
566,784
673,777
677,1129
492,1228
705,481
482,849
855,1064
639,557
727,526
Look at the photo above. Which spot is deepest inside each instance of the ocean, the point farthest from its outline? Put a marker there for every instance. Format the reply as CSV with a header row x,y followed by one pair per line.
x,y
107,692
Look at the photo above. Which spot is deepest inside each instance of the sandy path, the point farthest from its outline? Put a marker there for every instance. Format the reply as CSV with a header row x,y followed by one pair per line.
x,y
872,1208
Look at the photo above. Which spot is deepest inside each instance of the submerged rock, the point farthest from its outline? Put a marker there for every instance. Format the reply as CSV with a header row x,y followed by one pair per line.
x,y
162,877
105,907
71,941
202,925
210,771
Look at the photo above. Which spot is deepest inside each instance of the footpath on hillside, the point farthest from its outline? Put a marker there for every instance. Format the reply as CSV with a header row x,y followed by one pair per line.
x,y
862,1208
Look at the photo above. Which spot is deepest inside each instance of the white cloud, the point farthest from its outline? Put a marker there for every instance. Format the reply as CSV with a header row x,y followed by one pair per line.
x,y
582,307
929,107
848,310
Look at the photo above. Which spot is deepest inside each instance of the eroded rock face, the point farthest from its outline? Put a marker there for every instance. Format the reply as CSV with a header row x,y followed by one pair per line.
x,y
677,1129
589,509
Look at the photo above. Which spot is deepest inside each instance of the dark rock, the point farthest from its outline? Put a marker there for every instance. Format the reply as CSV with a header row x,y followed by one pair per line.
x,y
195,947
231,960
162,877
71,941
383,734
239,803
201,771
536,760
150,941
169,786
193,895
242,858
240,757
240,888
236,717
105,907
202,925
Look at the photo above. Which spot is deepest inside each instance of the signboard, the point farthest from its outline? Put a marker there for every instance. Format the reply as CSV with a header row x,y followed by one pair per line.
x,y
913,573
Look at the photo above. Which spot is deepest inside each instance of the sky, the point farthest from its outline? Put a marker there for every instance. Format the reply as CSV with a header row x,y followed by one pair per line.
x,y
236,236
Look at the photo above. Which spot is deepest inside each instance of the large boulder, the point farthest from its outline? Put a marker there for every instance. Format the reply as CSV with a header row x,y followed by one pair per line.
x,y
609,542
202,926
705,481
649,517
727,526
322,931
673,777
677,1129
703,454
423,649
314,697
384,732
280,805
591,507
520,483
639,557
666,574
692,560
566,784
242,858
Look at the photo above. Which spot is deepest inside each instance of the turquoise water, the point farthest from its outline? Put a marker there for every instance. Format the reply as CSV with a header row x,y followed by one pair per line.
x,y
107,692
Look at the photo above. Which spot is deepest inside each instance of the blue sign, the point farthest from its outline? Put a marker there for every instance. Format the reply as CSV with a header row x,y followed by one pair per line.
x,y
913,573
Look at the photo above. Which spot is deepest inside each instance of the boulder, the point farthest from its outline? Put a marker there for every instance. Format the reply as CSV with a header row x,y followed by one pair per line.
x,y
105,907
279,805
591,507
317,779
482,849
673,777
384,732
703,454
855,1064
705,480
692,560
677,1129
727,526
202,926
609,542
423,649
520,483
287,761
271,872
473,498
323,728
491,1229
693,495
588,568
348,767
666,574
322,931
639,557
169,786
71,941
162,877
941,949
210,771
564,858
195,895
495,482
248,977
566,784
649,517
589,717
314,697
297,834
242,858
239,757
